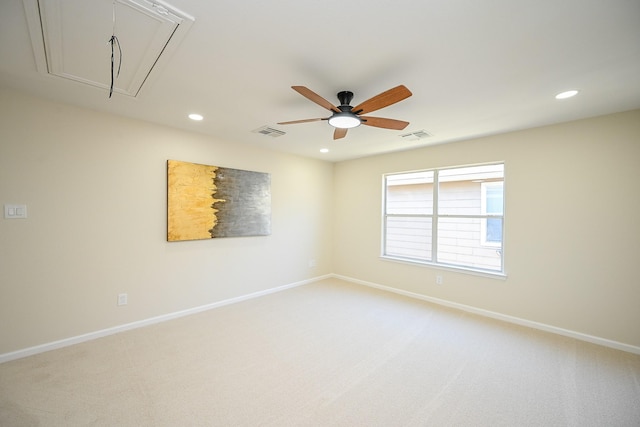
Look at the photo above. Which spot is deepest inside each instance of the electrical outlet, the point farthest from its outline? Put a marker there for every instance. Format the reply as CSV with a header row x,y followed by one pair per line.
x,y
439,280
312,263
122,299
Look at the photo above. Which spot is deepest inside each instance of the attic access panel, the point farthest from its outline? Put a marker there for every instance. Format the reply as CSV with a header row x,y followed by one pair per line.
x,y
70,39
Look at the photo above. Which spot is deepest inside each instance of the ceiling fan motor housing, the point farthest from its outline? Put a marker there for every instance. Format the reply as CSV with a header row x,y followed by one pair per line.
x,y
345,97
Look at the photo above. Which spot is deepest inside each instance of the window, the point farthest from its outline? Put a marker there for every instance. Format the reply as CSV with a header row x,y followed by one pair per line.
x,y
451,216
492,204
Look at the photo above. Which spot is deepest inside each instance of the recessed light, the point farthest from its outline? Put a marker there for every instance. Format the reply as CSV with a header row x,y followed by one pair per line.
x,y
196,117
324,150
567,94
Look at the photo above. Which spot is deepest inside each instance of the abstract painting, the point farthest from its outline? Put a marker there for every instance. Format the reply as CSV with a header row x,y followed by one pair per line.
x,y
206,202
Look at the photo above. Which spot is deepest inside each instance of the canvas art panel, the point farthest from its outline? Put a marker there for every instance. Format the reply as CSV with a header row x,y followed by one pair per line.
x,y
205,202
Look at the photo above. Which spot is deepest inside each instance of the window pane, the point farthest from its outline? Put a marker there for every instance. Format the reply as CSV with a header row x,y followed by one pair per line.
x,y
459,198
459,243
409,193
494,197
408,237
494,230
460,191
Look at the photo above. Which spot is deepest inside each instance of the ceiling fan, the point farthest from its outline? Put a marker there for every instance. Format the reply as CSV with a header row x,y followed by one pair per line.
x,y
345,116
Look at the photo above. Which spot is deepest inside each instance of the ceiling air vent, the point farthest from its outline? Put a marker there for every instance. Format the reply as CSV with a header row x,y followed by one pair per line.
x,y
414,136
269,131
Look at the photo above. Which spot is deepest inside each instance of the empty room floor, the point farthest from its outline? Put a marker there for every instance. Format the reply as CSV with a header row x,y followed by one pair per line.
x,y
330,353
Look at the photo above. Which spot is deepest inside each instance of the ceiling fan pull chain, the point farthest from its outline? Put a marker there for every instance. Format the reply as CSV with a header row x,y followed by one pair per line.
x,y
113,41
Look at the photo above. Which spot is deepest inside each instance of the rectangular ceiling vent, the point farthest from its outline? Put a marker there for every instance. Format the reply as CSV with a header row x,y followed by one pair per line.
x,y
269,131
414,136
70,39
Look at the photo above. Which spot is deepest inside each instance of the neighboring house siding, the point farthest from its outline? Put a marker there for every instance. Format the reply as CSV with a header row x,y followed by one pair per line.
x,y
459,239
409,237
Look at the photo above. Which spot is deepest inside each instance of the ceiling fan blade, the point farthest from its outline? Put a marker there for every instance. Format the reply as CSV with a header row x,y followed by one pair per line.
x,y
312,96
300,121
339,133
380,122
382,100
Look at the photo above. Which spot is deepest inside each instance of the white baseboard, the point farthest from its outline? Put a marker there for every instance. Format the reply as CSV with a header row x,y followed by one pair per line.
x,y
6,357
499,316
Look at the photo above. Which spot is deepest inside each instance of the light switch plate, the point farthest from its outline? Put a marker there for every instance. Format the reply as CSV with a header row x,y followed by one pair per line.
x,y
122,299
15,211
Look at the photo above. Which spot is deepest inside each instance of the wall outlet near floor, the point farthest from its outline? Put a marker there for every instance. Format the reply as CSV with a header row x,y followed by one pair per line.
x,y
439,280
312,263
122,299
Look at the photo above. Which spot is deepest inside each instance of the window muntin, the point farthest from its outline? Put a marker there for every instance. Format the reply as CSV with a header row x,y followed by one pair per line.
x,y
451,217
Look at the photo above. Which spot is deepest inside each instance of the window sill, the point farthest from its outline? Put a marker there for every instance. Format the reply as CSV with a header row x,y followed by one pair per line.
x,y
464,270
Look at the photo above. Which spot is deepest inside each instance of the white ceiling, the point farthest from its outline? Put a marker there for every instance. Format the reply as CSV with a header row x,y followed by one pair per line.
x,y
474,67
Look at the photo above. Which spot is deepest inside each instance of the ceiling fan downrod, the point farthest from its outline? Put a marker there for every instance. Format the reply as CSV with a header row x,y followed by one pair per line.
x,y
345,98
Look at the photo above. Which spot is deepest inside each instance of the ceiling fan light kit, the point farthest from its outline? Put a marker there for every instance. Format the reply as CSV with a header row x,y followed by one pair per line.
x,y
344,120
347,117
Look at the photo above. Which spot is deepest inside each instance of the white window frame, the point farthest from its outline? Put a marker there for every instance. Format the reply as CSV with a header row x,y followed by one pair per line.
x,y
435,215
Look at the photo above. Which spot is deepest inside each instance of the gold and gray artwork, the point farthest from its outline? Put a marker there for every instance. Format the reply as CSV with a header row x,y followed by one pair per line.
x,y
205,202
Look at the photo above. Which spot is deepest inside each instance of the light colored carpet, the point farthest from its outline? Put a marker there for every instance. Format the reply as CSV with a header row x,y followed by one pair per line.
x,y
325,354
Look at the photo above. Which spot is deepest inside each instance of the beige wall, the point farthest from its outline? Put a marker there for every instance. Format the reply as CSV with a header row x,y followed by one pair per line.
x,y
95,189
572,236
